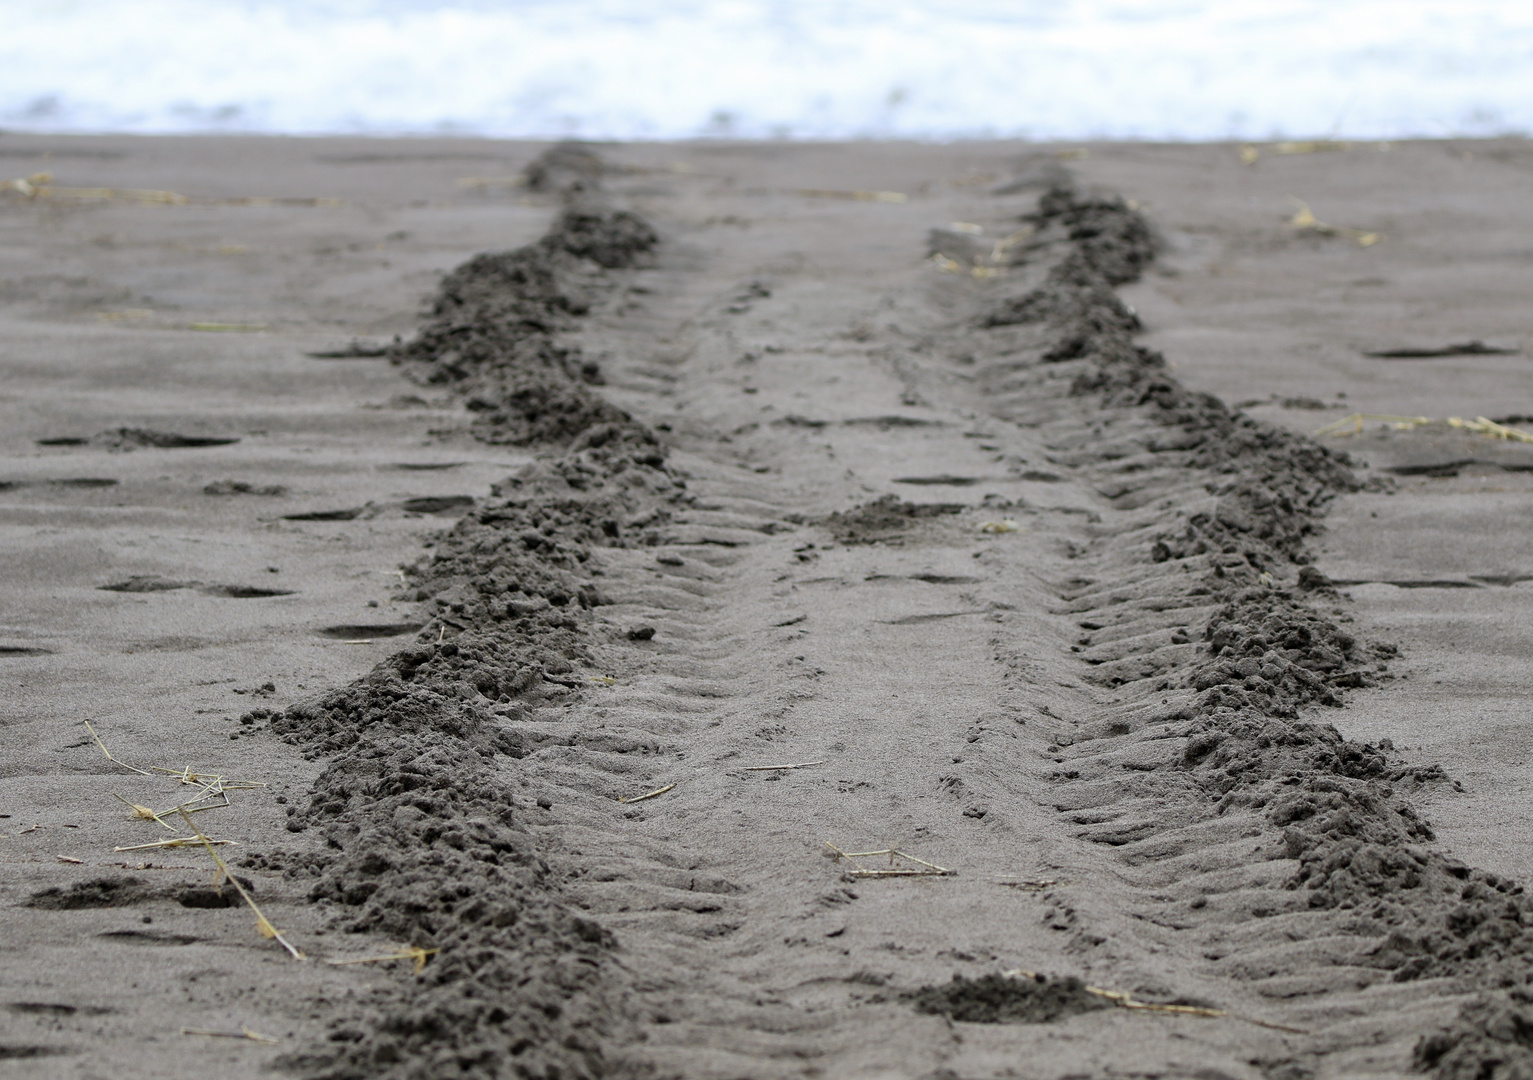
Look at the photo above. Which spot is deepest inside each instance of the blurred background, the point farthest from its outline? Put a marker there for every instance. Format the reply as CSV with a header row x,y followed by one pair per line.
x,y
773,69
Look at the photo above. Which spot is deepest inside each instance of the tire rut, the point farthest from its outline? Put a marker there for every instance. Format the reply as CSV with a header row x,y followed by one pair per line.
x,y
1118,710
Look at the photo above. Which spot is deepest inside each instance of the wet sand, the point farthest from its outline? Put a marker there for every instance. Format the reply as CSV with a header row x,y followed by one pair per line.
x,y
797,355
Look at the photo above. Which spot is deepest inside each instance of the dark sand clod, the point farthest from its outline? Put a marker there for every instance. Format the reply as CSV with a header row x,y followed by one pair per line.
x,y
748,481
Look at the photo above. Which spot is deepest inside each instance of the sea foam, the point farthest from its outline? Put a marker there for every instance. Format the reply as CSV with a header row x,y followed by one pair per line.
x,y
661,69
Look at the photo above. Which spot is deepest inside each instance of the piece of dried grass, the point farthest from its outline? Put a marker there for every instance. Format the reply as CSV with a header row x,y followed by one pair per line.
x,y
1304,220
108,753
242,1033
1124,1000
414,952
894,869
263,924
649,795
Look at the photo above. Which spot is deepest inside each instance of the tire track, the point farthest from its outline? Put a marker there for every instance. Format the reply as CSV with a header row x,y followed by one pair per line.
x,y
1117,712
430,837
1205,616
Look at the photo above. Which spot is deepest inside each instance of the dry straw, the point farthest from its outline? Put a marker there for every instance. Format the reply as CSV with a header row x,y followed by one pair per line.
x,y
853,196
895,867
1305,221
109,757
216,787
1482,426
143,813
1125,1000
212,792
213,785
242,1033
1250,153
414,952
1353,425
40,186
263,924
174,842
648,795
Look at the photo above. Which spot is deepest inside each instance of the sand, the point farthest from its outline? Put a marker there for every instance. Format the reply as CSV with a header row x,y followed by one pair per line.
x,y
789,485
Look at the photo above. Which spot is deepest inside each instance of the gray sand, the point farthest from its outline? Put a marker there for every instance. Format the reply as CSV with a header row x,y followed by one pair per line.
x,y
797,357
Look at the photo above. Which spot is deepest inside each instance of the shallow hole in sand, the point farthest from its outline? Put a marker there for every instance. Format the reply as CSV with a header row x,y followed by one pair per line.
x,y
326,515
998,999
55,1008
148,937
358,631
943,478
244,592
71,482
1462,348
130,438
15,1051
1505,580
142,583
436,504
207,897
1440,468
356,350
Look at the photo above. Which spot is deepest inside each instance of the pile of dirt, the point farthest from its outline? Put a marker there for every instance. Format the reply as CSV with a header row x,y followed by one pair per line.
x,y
884,520
426,839
496,322
1283,651
1492,1039
566,168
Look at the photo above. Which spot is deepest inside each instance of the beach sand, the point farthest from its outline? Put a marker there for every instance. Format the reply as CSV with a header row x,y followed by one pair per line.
x,y
799,343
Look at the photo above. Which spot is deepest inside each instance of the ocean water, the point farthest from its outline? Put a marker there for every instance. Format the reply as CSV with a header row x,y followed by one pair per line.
x,y
665,69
